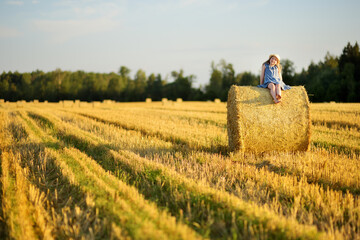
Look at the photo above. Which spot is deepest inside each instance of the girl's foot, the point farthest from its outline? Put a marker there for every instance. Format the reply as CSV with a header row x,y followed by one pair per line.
x,y
278,97
276,101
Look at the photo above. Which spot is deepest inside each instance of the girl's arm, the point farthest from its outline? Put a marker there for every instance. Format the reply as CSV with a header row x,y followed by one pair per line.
x,y
262,74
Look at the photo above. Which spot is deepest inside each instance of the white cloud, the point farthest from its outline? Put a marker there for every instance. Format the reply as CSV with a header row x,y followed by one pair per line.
x,y
17,3
35,2
6,32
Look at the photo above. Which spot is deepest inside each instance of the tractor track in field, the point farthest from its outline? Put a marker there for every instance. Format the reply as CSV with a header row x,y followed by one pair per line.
x,y
153,184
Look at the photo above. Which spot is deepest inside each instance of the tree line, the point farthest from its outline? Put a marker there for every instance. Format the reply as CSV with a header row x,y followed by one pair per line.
x,y
333,79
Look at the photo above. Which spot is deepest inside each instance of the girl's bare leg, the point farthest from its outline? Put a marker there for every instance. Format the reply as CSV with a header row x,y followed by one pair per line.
x,y
271,86
278,91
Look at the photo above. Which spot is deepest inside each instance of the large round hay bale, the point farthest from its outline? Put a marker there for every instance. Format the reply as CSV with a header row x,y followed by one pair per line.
x,y
256,124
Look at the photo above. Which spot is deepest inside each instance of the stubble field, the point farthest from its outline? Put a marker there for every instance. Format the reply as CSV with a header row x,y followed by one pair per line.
x,y
163,171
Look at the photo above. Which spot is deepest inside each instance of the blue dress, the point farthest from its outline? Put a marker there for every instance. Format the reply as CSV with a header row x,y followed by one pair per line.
x,y
271,75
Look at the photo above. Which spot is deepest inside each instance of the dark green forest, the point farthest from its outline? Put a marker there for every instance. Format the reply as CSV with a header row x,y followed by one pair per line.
x,y
336,78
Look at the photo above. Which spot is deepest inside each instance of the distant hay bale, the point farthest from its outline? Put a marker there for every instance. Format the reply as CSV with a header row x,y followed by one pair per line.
x,y
108,101
165,101
148,100
67,103
20,103
96,104
217,100
255,124
77,103
2,101
46,102
179,100
83,104
36,101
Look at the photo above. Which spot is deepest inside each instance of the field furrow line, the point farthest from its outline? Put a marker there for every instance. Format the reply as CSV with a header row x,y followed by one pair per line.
x,y
314,173
64,205
336,124
337,148
153,179
121,204
22,202
311,165
216,145
296,196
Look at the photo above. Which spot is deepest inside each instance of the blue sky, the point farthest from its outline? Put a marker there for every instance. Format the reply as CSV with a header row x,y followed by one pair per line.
x,y
160,36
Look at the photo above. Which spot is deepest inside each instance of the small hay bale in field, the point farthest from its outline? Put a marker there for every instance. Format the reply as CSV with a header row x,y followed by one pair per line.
x,y
148,100
83,104
164,101
2,101
107,101
256,124
77,103
68,103
179,100
46,102
96,104
217,100
36,101
20,103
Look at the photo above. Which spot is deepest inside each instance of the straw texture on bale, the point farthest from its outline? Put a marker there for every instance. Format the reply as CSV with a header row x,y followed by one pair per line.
x,y
256,124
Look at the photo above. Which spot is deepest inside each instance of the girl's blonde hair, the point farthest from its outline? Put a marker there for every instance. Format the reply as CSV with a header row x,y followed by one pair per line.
x,y
278,61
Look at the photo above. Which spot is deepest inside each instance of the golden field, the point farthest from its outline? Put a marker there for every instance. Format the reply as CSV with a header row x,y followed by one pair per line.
x,y
163,171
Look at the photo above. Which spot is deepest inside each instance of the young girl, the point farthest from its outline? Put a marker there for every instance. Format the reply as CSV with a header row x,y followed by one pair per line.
x,y
271,77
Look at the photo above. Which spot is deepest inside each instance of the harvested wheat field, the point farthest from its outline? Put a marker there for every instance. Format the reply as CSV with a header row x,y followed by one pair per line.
x,y
164,171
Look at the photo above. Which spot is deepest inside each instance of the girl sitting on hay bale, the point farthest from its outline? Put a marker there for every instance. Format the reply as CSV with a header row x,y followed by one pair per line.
x,y
271,77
